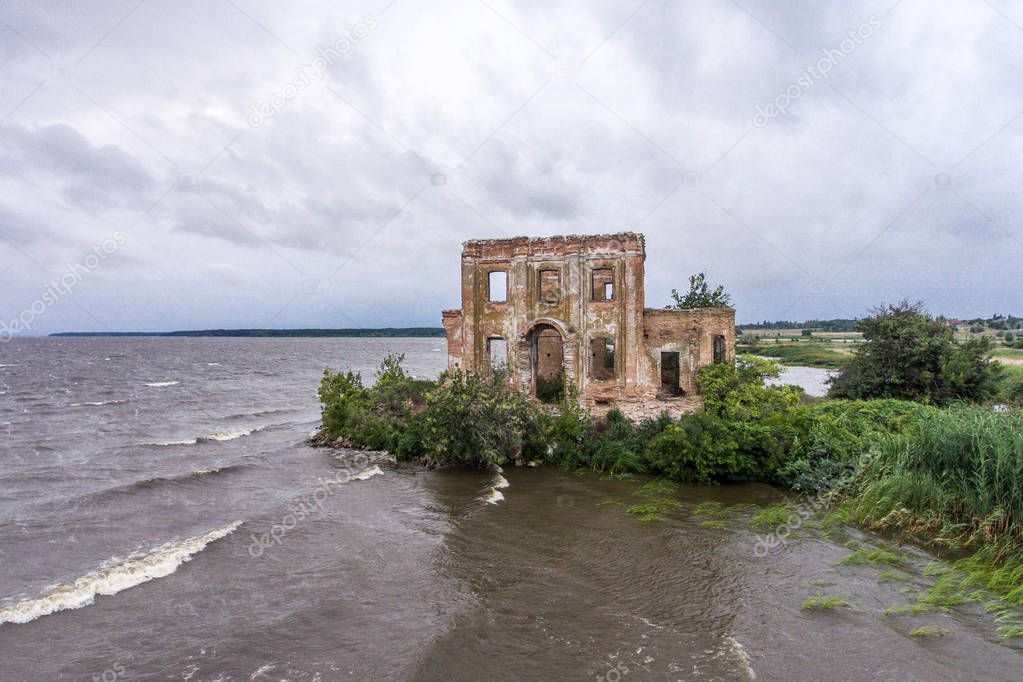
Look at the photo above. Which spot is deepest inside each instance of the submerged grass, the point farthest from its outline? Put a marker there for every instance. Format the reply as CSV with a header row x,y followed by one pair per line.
x,y
873,556
713,524
658,492
894,576
824,602
771,517
929,632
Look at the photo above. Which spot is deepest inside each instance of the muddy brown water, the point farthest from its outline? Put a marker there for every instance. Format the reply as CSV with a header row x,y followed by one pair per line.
x,y
159,530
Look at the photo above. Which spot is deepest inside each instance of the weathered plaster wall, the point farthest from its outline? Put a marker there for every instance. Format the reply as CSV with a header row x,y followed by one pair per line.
x,y
691,334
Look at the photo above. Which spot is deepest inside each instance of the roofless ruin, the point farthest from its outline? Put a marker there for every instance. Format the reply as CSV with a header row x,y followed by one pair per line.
x,y
552,311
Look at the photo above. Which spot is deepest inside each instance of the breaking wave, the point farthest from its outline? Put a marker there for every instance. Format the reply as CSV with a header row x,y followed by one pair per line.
x,y
216,436
161,384
113,577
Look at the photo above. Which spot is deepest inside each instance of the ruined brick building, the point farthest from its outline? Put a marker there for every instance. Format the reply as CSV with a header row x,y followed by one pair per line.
x,y
554,308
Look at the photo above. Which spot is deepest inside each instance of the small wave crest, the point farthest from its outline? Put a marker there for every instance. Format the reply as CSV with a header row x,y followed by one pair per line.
x,y
161,384
231,435
168,443
155,481
367,474
113,577
97,403
185,477
493,496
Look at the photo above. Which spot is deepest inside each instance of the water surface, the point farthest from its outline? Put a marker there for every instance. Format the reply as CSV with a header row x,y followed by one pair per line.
x,y
141,478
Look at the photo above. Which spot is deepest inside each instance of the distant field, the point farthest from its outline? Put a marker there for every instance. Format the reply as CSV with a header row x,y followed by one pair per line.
x,y
799,354
768,334
1009,356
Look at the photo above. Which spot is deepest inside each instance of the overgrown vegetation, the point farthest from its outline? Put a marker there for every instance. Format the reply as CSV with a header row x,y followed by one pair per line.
x,y
700,295
909,355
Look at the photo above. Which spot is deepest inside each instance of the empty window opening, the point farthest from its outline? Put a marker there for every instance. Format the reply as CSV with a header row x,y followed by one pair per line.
x,y
497,288
719,349
670,374
497,354
603,284
602,357
550,287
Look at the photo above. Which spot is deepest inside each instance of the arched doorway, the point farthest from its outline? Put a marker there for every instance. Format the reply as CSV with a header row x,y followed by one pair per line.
x,y
547,360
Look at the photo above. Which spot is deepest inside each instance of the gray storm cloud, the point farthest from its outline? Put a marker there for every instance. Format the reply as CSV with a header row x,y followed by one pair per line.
x,y
884,162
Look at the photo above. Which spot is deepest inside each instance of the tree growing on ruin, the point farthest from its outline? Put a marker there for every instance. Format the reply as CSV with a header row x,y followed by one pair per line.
x,y
700,295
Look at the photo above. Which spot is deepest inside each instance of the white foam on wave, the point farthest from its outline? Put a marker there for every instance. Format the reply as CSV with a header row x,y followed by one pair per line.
x,y
97,403
501,482
168,443
367,474
161,384
739,651
493,496
263,670
231,435
113,577
217,436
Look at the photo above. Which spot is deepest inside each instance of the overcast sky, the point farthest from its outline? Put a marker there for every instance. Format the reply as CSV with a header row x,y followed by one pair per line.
x,y
234,163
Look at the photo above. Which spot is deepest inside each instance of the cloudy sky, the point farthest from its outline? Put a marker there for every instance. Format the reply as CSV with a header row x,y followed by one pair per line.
x,y
244,163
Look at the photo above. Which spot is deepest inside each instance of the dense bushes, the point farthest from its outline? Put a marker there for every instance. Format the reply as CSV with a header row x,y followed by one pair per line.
x,y
747,431
474,420
909,355
462,418
378,417
958,460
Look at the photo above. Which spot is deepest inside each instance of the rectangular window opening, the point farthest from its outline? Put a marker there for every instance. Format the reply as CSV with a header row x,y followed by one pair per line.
x,y
602,358
719,349
497,354
603,284
550,287
497,286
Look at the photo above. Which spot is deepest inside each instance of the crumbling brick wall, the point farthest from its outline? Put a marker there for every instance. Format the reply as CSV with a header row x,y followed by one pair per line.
x,y
584,293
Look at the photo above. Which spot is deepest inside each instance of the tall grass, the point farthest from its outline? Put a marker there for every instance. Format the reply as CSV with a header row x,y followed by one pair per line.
x,y
955,477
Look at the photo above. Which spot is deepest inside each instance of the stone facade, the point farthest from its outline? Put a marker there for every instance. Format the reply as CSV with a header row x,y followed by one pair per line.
x,y
572,307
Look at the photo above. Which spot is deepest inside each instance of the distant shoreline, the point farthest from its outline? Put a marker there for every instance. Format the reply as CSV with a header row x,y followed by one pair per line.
x,y
383,332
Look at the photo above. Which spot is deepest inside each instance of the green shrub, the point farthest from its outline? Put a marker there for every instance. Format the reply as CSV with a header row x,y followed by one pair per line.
x,y
475,420
379,417
908,354
827,439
